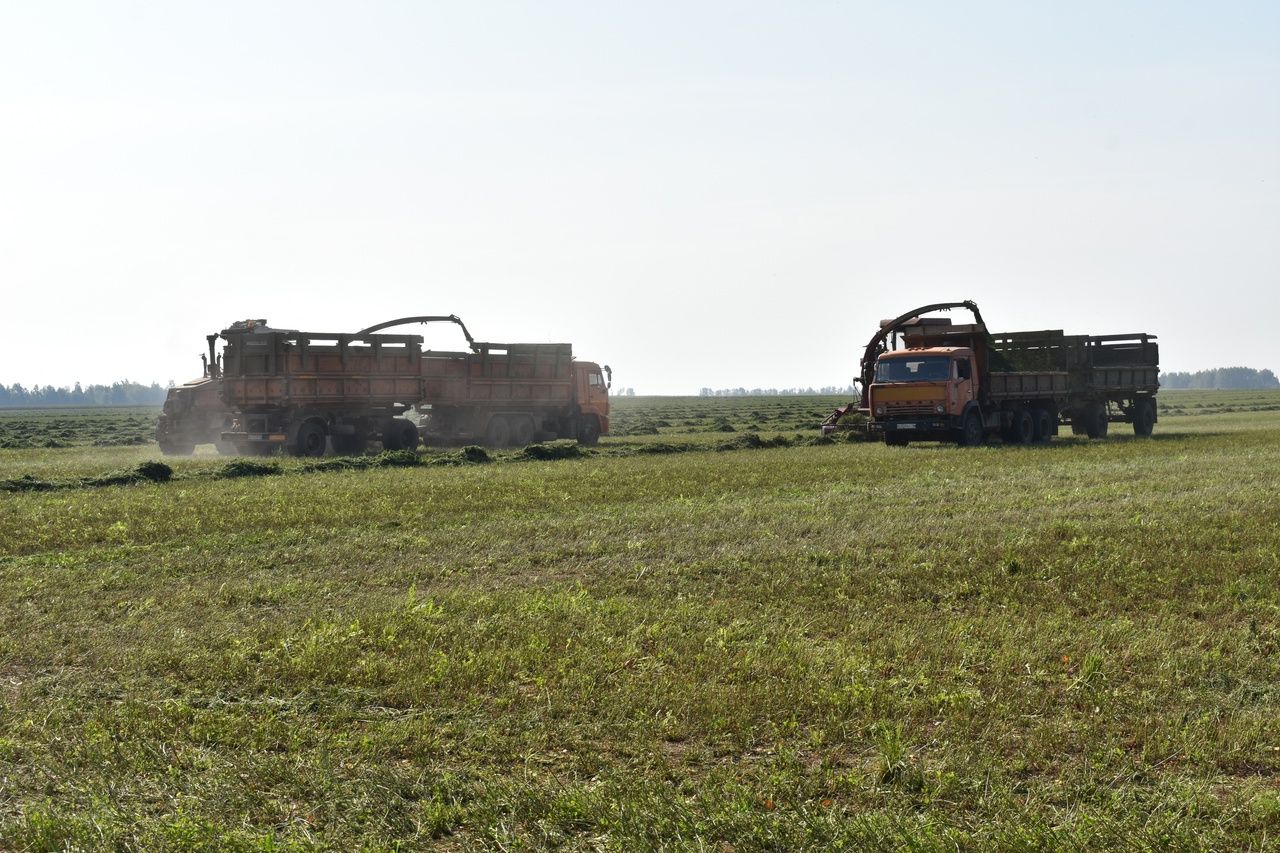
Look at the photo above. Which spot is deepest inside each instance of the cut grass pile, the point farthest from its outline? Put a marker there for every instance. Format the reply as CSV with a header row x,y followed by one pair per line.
x,y
1073,645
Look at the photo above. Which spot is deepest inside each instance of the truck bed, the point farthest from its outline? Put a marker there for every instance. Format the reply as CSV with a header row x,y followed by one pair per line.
x,y
1029,384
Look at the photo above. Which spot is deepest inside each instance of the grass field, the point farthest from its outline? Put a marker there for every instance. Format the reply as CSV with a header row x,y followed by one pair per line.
x,y
1074,645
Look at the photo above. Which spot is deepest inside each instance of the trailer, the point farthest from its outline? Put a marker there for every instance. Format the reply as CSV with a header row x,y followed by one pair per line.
x,y
311,392
926,378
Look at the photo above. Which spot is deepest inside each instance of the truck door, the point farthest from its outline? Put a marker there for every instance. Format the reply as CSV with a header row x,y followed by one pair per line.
x,y
962,385
597,393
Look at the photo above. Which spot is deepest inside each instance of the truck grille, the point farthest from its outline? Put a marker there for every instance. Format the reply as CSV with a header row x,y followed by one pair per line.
x,y
899,409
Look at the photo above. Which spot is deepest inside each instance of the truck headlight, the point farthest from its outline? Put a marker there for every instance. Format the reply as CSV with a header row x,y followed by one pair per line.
x,y
939,408
879,410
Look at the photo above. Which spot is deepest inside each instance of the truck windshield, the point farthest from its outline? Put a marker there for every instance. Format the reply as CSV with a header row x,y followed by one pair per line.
x,y
931,368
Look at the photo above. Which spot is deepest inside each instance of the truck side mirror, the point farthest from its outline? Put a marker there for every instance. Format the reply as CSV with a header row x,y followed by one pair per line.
x,y
608,371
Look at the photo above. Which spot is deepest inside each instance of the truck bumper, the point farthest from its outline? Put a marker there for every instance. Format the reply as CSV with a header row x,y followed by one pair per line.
x,y
926,429
253,437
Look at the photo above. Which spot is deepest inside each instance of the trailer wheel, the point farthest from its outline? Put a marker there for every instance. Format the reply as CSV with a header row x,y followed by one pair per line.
x,y
310,440
1023,429
498,432
1044,424
589,432
972,434
1144,418
1095,423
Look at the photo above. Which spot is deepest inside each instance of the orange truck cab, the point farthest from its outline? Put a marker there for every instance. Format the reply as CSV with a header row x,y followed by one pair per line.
x,y
592,389
922,392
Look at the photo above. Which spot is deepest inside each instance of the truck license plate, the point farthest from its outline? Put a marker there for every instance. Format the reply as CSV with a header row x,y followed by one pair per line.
x,y
906,426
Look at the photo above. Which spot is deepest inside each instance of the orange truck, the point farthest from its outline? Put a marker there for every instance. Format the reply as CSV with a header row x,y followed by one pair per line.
x,y
926,378
311,392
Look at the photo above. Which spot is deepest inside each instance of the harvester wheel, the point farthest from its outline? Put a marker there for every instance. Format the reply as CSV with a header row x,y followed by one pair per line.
x,y
409,437
972,434
1095,423
390,436
1023,430
310,440
1144,418
1044,424
170,449
225,448
498,432
589,432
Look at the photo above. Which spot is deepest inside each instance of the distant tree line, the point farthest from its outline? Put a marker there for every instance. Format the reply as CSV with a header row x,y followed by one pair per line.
x,y
1221,379
124,393
775,392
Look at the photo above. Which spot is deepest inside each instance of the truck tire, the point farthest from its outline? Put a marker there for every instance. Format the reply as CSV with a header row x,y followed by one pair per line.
x,y
1023,429
972,432
310,440
1044,424
498,432
589,431
1144,418
1095,423
892,440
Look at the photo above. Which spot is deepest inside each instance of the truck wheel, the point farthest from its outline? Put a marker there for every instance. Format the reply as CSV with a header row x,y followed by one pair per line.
x,y
1024,427
896,440
498,432
589,432
1044,424
1144,418
1095,423
521,431
309,441
972,433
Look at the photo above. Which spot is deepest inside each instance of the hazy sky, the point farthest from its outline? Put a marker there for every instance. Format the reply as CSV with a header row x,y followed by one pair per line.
x,y
716,194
